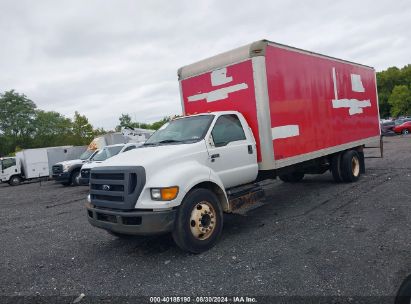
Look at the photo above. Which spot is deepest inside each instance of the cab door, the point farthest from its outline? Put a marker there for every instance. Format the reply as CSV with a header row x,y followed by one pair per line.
x,y
8,168
232,151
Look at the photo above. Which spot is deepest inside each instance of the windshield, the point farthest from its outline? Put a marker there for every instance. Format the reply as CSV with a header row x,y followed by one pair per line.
x,y
182,130
86,154
107,152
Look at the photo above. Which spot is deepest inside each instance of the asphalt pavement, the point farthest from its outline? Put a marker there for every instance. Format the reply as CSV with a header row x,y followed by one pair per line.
x,y
314,238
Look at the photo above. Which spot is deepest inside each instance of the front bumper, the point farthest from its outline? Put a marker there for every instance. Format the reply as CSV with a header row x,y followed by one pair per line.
x,y
132,222
84,181
62,177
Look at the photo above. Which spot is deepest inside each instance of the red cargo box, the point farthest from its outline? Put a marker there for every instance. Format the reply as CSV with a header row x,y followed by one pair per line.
x,y
300,105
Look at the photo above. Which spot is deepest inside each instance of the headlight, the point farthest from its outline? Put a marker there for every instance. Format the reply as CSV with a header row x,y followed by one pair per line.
x,y
164,194
88,198
66,167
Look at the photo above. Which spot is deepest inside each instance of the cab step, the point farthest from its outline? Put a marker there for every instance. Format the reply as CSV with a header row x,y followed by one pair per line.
x,y
245,198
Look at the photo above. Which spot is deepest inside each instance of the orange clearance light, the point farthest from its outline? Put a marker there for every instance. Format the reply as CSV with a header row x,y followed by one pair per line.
x,y
168,194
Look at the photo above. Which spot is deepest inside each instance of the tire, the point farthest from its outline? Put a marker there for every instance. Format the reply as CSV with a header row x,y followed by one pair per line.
x,y
14,180
119,235
66,184
336,168
350,166
196,231
404,292
405,132
294,177
75,178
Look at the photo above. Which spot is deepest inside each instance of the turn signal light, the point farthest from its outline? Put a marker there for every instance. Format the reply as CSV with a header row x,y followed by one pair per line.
x,y
164,194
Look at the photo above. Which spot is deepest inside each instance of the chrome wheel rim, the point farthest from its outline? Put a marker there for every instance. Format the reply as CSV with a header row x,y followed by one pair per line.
x,y
202,220
355,165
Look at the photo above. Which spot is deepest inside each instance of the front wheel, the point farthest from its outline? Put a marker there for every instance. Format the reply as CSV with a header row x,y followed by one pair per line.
x,y
120,235
75,178
199,221
14,180
405,132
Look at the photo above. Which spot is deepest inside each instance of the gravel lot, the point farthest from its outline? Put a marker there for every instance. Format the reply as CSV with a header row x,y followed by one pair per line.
x,y
312,238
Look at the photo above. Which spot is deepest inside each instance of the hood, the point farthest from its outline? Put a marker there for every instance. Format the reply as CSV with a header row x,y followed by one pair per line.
x,y
90,165
148,156
70,162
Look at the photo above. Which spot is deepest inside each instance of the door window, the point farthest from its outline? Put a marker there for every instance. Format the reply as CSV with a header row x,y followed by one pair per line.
x,y
227,129
7,163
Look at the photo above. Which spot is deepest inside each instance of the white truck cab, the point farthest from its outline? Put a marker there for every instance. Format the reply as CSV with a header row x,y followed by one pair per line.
x,y
10,170
177,181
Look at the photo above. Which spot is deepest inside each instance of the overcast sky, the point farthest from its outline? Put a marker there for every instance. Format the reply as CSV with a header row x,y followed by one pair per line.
x,y
103,58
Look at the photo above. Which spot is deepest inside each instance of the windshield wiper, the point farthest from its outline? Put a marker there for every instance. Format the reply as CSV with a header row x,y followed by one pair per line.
x,y
166,141
150,144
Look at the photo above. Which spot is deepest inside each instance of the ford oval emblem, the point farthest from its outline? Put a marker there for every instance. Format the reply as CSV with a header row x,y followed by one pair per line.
x,y
106,187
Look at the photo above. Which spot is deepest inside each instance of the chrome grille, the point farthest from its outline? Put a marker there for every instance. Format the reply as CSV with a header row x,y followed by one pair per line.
x,y
57,169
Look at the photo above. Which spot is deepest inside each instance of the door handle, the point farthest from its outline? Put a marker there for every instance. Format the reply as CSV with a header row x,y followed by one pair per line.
x,y
250,149
214,156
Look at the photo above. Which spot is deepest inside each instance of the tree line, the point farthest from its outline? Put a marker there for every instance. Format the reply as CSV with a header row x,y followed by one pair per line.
x,y
23,125
126,122
394,91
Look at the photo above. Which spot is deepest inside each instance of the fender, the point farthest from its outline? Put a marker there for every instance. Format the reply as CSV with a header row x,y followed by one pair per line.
x,y
74,167
214,184
186,175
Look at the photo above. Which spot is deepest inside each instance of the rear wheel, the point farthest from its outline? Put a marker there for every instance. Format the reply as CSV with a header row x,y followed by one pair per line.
x,y
199,221
15,180
336,167
294,177
405,132
350,166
